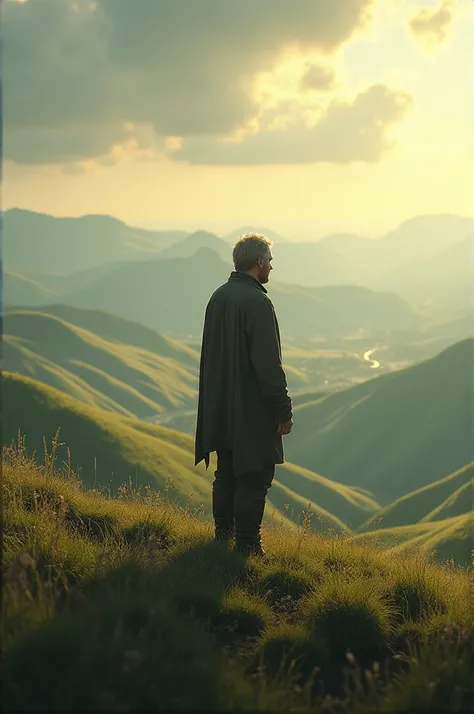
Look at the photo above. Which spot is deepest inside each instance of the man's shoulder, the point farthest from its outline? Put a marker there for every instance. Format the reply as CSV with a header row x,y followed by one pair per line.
x,y
241,291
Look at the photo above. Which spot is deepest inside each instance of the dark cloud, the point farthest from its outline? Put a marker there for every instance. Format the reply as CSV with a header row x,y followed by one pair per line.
x,y
75,77
318,77
346,133
430,26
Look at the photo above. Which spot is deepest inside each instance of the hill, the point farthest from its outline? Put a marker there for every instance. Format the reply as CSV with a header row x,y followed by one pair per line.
x,y
132,594
424,260
44,243
440,279
395,433
111,449
448,497
23,290
140,290
351,504
425,235
191,244
447,539
100,359
38,243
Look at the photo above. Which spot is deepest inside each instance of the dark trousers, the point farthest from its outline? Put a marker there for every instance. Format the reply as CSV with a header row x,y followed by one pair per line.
x,y
239,501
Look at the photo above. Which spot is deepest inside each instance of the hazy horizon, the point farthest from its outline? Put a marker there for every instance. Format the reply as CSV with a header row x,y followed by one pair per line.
x,y
292,231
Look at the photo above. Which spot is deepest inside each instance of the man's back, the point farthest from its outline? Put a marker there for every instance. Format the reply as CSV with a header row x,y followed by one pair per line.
x,y
244,407
242,384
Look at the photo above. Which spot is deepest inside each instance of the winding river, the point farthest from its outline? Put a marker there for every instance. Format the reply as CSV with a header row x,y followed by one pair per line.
x,y
368,358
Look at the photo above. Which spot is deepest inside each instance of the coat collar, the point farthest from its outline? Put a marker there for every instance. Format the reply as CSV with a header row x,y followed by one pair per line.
x,y
239,275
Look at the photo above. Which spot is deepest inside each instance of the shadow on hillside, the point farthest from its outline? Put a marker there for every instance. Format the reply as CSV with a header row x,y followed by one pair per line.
x,y
136,638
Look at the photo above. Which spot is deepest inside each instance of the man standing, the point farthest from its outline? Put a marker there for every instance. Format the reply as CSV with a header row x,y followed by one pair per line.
x,y
244,408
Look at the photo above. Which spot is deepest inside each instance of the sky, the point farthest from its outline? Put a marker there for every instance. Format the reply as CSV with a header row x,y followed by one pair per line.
x,y
306,117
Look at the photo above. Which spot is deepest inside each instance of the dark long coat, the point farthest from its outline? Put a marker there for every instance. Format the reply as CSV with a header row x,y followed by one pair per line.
x,y
242,385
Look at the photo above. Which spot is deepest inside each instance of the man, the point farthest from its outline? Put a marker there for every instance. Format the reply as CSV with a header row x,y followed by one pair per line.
x,y
244,408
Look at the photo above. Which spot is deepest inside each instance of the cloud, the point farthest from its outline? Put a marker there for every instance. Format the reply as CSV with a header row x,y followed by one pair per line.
x,y
77,74
431,26
318,77
347,132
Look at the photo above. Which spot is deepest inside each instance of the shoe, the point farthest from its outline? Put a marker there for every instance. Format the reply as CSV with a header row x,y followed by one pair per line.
x,y
248,547
223,513
248,519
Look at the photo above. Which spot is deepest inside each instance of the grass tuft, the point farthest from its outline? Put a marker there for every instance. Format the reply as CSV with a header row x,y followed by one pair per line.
x,y
131,595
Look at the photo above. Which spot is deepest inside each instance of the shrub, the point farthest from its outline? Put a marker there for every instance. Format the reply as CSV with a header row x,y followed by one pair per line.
x,y
145,532
243,615
288,648
117,655
414,596
279,583
349,616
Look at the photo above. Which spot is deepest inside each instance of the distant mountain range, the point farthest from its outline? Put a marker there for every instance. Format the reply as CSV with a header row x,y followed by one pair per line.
x,y
170,296
42,243
427,259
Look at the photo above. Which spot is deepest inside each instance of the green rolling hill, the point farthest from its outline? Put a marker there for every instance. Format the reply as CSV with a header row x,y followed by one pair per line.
x,y
101,359
446,498
395,433
111,449
326,496
450,538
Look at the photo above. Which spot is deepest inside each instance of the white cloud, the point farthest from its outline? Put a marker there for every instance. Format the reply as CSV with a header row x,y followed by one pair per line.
x,y
346,132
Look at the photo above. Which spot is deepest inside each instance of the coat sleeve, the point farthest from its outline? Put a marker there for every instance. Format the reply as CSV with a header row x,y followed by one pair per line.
x,y
265,357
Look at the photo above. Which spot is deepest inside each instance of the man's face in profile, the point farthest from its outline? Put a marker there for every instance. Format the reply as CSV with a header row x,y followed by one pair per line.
x,y
264,269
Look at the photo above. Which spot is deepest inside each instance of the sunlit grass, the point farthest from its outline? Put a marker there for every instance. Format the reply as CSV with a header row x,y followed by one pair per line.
x,y
131,595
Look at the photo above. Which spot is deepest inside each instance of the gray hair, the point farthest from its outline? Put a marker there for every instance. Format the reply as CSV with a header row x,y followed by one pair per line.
x,y
249,248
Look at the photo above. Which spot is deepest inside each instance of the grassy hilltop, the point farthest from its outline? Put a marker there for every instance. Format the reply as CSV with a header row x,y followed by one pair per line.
x,y
126,604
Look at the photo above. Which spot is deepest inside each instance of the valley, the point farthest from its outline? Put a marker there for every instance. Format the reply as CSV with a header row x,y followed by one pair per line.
x,y
379,380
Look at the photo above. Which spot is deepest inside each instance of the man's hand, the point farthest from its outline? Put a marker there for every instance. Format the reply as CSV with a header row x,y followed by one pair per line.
x,y
284,428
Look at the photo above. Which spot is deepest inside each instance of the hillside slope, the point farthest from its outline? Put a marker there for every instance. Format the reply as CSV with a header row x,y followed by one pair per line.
x,y
443,278
395,433
112,449
449,496
23,290
448,539
100,359
133,596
